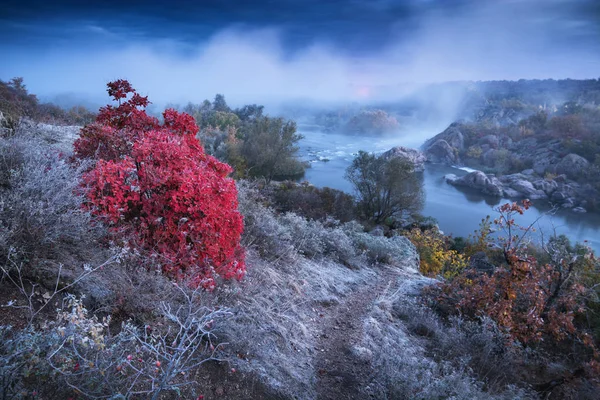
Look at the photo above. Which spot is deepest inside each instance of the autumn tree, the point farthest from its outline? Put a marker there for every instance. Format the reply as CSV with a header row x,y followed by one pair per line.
x,y
532,301
385,188
156,188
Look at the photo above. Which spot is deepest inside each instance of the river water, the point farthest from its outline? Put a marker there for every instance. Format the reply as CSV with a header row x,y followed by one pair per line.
x,y
458,212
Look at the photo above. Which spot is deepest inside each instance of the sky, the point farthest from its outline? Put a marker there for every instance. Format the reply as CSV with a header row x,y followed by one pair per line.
x,y
269,51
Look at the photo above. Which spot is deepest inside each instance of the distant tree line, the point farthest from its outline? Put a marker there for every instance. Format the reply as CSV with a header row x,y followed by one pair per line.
x,y
254,144
17,103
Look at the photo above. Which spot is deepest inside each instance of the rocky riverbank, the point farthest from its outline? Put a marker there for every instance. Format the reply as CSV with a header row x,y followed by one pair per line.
x,y
560,191
547,170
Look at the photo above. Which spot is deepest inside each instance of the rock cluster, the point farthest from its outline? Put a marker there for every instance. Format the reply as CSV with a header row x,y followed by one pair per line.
x,y
553,176
560,191
415,157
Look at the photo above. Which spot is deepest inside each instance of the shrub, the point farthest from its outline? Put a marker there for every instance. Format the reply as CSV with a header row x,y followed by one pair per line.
x,y
261,225
436,257
474,152
116,129
416,355
76,355
157,189
480,347
314,203
393,250
567,126
529,300
288,234
40,204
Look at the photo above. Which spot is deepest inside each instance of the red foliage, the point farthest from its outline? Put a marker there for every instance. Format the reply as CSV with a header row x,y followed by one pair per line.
x,y
155,186
116,129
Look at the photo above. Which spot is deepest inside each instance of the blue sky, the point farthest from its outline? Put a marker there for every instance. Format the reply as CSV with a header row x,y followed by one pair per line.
x,y
265,51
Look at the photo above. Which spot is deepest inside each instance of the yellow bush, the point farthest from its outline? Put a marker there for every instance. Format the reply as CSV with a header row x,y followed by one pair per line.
x,y
436,257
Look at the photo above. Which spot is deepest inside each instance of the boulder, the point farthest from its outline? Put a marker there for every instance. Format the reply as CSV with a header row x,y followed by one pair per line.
x,y
561,178
542,164
490,140
521,184
568,203
450,178
527,189
415,157
442,152
445,147
567,195
548,186
453,136
487,184
560,195
571,165
511,193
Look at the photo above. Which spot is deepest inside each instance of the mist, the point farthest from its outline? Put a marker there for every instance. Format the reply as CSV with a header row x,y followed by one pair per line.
x,y
481,40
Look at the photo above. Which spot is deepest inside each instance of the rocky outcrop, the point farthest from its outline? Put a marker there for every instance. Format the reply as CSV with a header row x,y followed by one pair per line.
x,y
454,137
572,165
560,192
523,187
415,157
548,174
445,147
441,152
547,186
487,184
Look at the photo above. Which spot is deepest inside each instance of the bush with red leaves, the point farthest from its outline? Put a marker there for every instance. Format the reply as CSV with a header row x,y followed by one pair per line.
x,y
157,189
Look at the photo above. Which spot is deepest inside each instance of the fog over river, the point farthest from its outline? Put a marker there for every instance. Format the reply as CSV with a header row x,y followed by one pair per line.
x,y
458,212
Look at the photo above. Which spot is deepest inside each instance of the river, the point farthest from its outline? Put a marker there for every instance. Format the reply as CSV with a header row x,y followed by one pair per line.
x,y
458,212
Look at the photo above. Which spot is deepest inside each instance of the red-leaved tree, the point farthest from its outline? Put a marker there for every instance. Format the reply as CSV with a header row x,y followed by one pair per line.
x,y
158,190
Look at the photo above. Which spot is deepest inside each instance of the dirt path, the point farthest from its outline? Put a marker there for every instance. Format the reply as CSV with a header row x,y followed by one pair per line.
x,y
340,374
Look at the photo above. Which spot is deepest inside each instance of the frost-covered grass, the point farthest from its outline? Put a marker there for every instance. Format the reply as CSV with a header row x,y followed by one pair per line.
x,y
417,356
40,201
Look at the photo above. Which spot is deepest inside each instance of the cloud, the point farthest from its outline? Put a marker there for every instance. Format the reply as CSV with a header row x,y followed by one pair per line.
x,y
487,40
